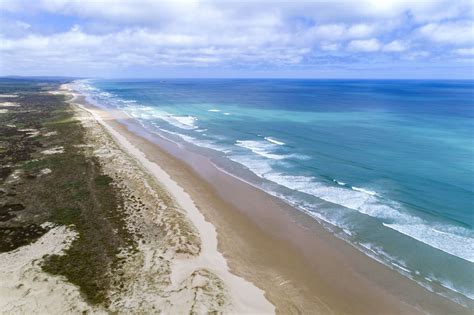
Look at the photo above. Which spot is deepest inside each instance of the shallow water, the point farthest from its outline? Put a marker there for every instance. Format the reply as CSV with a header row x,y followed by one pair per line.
x,y
389,163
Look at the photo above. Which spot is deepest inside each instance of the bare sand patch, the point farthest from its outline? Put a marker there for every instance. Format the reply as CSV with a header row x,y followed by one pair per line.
x,y
51,133
55,150
9,104
30,132
45,171
15,176
26,289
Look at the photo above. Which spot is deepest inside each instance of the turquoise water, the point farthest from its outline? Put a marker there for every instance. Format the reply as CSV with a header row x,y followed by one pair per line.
x,y
386,165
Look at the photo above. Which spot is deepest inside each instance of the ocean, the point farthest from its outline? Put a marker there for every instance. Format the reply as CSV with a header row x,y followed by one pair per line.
x,y
386,165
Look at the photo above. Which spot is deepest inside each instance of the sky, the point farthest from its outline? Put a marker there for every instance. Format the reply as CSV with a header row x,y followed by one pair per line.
x,y
260,38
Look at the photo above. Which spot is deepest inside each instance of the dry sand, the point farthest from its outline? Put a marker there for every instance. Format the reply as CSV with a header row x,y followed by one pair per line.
x,y
55,150
8,104
26,289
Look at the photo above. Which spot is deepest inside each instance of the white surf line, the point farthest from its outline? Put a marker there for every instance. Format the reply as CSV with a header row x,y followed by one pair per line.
x,y
274,141
246,297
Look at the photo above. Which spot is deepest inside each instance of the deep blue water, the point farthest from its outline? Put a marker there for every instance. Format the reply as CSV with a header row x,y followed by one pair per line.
x,y
389,165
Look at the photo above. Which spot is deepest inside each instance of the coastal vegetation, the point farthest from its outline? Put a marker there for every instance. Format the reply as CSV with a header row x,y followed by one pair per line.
x,y
49,175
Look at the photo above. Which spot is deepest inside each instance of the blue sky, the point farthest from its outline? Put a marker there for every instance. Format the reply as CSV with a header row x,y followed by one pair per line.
x,y
190,38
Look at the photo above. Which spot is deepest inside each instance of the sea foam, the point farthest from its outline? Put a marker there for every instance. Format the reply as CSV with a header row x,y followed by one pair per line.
x,y
261,148
339,183
184,122
272,140
147,112
450,239
366,191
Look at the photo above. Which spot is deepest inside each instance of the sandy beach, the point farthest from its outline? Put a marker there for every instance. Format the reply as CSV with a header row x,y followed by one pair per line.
x,y
269,248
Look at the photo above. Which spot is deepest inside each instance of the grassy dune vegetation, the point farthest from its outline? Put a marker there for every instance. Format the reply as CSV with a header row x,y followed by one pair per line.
x,y
48,174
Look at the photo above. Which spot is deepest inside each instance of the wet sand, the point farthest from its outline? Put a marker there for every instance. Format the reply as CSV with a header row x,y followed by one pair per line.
x,y
301,266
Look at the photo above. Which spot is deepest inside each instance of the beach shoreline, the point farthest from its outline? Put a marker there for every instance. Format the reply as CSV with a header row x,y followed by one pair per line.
x,y
297,263
241,295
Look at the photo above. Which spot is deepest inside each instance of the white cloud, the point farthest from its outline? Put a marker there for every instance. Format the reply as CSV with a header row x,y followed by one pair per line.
x,y
144,47
417,55
360,30
14,28
459,32
395,46
22,25
369,45
321,10
329,46
123,33
465,51
327,31
333,32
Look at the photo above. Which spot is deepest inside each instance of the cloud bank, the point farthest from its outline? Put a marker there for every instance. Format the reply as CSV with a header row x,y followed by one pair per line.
x,y
152,38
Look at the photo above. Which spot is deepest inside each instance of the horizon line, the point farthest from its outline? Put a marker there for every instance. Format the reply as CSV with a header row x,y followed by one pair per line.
x,y
227,78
